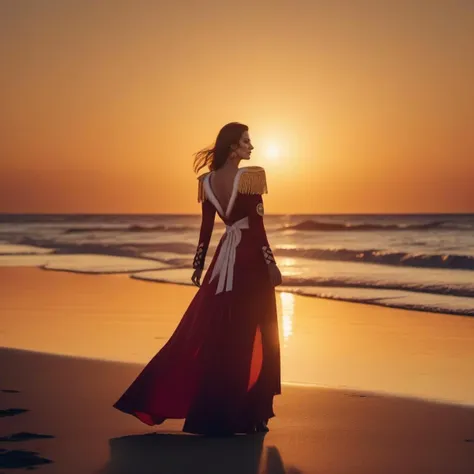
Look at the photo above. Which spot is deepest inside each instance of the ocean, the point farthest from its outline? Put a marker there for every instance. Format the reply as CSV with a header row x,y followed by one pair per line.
x,y
422,262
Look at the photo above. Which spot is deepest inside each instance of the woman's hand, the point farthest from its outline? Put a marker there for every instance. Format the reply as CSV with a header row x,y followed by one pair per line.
x,y
196,278
275,274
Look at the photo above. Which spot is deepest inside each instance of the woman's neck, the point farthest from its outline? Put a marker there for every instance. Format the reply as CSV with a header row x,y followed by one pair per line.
x,y
232,164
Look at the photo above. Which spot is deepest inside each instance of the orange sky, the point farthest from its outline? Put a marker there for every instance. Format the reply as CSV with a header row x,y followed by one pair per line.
x,y
370,103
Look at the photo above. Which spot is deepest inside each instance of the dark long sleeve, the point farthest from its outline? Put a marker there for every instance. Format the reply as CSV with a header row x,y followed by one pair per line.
x,y
259,232
207,225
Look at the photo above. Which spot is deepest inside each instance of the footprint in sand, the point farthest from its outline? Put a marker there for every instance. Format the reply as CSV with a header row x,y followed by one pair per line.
x,y
23,436
12,412
20,459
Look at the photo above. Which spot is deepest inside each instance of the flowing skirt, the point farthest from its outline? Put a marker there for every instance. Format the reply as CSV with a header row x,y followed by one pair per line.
x,y
221,367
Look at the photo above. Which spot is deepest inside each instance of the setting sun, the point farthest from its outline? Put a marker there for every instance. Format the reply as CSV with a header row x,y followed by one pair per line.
x,y
272,152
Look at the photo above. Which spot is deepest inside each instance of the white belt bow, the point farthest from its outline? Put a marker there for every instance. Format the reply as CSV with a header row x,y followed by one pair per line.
x,y
224,266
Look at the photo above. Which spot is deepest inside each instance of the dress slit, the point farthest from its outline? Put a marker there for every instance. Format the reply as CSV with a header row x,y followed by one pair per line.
x,y
257,359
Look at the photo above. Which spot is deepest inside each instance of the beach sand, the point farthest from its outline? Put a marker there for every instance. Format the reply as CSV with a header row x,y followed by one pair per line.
x,y
68,394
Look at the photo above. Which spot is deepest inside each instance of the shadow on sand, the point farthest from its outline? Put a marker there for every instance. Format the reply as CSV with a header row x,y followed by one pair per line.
x,y
179,453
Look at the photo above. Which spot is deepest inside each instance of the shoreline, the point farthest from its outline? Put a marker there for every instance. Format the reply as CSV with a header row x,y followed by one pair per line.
x,y
73,259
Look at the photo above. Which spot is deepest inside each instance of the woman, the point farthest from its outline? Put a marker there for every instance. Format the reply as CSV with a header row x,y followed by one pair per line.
x,y
221,367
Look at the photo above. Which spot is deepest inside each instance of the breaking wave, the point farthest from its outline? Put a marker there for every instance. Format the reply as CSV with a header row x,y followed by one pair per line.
x,y
312,225
384,257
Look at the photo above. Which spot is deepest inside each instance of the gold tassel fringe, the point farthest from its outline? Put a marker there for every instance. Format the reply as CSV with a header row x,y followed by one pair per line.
x,y
201,194
252,181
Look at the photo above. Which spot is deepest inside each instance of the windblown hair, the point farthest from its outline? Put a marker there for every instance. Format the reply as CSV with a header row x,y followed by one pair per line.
x,y
214,157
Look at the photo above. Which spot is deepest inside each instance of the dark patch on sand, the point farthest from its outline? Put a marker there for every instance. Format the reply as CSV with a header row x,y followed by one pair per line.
x,y
12,412
23,436
19,458
9,390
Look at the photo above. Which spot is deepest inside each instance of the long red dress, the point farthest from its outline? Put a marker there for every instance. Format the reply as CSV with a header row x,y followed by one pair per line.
x,y
221,367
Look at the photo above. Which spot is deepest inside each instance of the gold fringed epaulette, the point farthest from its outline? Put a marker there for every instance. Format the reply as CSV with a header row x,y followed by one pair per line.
x,y
201,194
253,181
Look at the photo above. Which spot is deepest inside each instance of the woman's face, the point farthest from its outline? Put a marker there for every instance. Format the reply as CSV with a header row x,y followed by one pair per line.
x,y
245,147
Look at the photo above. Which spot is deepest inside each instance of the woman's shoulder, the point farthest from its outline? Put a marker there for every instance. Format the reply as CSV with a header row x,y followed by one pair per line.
x,y
252,180
201,177
242,170
249,180
201,193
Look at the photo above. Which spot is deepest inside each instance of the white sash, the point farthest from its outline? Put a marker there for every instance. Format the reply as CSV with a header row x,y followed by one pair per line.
x,y
224,266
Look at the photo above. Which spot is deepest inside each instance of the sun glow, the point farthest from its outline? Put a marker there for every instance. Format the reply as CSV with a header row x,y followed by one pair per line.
x,y
272,152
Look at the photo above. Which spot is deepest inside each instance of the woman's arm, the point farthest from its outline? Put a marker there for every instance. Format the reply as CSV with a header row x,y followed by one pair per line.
x,y
256,223
207,225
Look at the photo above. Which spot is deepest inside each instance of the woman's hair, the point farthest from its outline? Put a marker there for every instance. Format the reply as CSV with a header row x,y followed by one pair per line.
x,y
215,157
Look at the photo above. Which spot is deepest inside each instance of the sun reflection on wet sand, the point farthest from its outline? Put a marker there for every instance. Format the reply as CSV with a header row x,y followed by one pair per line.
x,y
287,301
